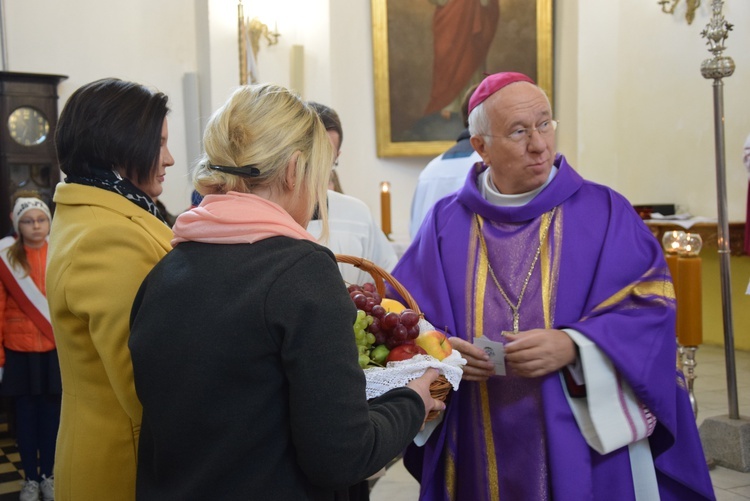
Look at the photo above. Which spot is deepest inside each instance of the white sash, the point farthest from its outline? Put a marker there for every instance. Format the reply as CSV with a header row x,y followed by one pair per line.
x,y
25,283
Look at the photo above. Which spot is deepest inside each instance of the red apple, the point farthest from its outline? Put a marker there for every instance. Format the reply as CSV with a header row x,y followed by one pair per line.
x,y
435,344
404,352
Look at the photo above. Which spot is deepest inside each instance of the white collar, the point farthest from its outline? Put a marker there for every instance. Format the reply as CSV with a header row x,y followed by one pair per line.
x,y
489,191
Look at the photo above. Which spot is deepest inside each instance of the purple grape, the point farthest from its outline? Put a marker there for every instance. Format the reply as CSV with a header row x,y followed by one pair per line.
x,y
412,332
378,311
391,343
374,327
369,304
400,333
390,320
369,287
381,338
359,301
409,317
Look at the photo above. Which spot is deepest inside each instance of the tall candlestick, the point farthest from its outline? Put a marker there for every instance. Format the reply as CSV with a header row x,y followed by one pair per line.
x,y
385,207
689,293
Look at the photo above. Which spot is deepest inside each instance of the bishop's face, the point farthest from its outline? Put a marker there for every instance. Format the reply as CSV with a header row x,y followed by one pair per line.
x,y
520,164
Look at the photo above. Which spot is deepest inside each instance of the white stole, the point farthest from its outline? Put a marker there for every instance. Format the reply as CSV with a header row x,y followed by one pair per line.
x,y
608,423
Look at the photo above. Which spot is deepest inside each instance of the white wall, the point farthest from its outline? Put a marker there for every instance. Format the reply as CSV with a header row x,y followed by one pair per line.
x,y
635,112
150,42
645,113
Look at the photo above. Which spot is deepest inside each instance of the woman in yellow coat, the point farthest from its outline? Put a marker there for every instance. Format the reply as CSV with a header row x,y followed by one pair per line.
x,y
106,236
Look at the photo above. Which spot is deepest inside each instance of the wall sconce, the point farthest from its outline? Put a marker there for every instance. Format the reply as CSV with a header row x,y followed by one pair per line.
x,y
258,29
249,34
692,6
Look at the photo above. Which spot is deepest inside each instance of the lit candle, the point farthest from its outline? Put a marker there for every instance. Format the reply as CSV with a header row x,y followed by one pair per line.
x,y
672,242
689,293
385,207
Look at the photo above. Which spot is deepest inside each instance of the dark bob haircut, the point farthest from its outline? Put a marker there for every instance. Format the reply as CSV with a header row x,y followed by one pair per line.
x,y
329,118
111,123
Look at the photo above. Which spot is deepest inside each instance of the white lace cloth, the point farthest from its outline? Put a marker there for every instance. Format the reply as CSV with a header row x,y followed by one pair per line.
x,y
397,374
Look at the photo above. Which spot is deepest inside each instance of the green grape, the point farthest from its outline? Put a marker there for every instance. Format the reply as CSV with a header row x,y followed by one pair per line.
x,y
362,338
364,360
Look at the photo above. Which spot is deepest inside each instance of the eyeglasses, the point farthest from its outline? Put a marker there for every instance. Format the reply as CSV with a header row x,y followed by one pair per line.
x,y
545,128
40,221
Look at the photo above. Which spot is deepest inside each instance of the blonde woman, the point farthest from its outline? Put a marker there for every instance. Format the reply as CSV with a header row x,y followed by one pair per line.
x,y
241,337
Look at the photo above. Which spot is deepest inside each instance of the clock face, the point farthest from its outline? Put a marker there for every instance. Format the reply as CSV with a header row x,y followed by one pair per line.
x,y
28,126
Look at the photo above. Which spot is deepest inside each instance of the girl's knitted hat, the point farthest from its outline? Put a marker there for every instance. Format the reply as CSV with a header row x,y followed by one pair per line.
x,y
24,205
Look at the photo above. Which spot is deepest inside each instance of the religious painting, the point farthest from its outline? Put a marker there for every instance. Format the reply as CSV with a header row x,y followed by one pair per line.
x,y
428,53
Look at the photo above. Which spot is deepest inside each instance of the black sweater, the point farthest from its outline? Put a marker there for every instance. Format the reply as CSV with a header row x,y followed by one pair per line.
x,y
245,362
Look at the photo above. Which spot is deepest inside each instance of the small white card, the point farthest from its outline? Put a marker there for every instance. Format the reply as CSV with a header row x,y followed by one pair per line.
x,y
496,352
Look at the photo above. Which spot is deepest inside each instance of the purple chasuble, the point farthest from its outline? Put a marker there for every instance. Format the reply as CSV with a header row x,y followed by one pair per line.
x,y
600,272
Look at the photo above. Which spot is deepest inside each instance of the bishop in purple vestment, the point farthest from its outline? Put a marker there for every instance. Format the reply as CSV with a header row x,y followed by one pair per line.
x,y
566,276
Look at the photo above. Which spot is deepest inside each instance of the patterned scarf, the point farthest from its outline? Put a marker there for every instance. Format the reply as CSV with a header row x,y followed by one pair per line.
x,y
112,181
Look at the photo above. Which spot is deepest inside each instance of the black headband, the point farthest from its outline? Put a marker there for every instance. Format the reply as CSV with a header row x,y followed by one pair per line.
x,y
245,170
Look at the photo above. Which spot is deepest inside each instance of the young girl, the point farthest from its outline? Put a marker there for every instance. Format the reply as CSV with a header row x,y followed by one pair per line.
x,y
29,369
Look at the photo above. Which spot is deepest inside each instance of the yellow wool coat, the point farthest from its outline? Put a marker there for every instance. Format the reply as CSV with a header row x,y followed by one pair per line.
x,y
101,248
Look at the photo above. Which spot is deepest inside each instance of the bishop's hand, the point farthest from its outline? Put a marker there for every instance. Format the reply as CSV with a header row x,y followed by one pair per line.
x,y
538,352
478,366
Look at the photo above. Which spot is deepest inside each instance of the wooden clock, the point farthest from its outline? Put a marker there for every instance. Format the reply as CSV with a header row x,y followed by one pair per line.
x,y
28,115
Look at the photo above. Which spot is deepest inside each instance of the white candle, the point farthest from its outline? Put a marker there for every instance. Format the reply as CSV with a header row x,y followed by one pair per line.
x,y
385,207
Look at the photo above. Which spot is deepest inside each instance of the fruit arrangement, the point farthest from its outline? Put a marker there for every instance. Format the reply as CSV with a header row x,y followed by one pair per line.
x,y
387,331
382,339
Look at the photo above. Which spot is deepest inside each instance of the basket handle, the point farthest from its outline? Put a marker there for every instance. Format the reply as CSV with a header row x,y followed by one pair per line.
x,y
380,276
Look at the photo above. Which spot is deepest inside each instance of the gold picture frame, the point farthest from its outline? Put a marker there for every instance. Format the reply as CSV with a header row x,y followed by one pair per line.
x,y
403,56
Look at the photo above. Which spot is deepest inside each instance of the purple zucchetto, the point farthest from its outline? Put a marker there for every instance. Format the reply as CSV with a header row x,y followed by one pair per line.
x,y
494,83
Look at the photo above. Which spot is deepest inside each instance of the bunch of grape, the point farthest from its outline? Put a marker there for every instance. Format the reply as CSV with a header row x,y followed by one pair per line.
x,y
364,339
375,326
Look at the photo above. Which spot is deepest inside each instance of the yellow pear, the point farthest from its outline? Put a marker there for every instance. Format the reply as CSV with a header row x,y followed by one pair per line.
x,y
391,305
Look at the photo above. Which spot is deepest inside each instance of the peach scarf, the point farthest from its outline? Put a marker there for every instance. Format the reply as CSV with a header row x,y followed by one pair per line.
x,y
236,218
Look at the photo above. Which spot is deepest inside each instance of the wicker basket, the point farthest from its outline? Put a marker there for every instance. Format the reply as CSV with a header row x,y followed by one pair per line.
x,y
440,388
